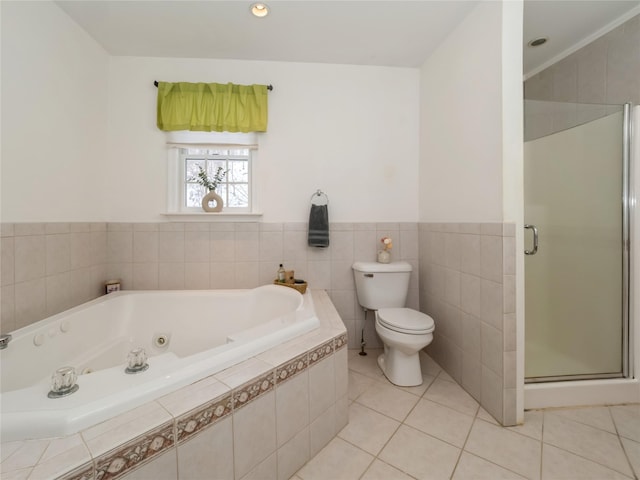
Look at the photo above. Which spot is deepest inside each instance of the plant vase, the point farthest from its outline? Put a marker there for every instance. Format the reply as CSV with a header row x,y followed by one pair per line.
x,y
212,196
384,256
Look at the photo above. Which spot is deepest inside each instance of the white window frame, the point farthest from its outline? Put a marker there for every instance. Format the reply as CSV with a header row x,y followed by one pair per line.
x,y
184,156
176,141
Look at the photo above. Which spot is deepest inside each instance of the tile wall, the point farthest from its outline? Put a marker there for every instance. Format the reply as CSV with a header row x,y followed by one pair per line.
x,y
47,268
606,71
467,273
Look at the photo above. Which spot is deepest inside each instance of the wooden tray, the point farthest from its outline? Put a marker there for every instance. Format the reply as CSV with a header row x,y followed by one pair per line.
x,y
301,287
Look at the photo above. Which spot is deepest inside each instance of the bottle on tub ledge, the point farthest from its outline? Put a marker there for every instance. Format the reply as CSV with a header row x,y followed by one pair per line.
x,y
281,274
287,278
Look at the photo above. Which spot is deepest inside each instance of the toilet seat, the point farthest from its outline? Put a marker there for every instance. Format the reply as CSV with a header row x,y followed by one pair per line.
x,y
405,320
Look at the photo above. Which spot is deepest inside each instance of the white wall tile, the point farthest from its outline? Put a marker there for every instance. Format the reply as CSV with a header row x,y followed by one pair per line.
x,y
58,293
7,309
7,264
294,246
254,433
145,276
119,246
292,407
30,257
246,275
145,246
222,246
222,275
208,454
171,276
164,467
56,228
58,254
196,275
268,468
491,303
293,455
470,294
247,246
30,302
171,246
322,387
321,431
492,354
80,250
271,247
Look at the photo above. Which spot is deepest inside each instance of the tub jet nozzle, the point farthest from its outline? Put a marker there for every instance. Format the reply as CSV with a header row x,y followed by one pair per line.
x,y
137,360
63,382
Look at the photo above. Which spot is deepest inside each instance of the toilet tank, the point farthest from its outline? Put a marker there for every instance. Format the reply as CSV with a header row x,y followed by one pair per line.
x,y
382,285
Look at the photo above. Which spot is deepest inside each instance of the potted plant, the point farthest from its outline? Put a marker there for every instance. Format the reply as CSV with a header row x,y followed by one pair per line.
x,y
210,184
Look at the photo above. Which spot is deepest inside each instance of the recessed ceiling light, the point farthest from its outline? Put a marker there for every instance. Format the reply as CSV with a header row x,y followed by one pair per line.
x,y
260,9
536,42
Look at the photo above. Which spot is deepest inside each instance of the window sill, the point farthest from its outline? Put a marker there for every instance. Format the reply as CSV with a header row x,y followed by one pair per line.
x,y
212,217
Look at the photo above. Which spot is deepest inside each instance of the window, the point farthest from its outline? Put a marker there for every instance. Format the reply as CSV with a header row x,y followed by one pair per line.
x,y
235,185
235,154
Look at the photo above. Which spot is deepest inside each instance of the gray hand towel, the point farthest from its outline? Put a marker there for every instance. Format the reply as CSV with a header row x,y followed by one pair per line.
x,y
319,226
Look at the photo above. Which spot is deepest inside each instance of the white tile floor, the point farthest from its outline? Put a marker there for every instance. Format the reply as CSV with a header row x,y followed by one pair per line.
x,y
437,431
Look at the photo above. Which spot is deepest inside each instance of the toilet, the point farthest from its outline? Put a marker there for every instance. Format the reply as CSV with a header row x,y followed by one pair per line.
x,y
383,287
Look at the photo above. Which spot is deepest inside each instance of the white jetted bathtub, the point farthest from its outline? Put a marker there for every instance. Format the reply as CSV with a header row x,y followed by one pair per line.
x,y
187,335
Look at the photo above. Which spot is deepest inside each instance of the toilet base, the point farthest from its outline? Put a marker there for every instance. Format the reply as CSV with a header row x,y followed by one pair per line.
x,y
401,369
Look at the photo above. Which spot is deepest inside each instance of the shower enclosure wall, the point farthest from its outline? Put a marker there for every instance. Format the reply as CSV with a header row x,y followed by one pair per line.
x,y
578,207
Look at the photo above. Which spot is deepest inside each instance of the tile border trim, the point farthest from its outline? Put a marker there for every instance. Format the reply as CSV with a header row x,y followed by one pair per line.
x,y
292,368
251,390
320,352
133,454
203,417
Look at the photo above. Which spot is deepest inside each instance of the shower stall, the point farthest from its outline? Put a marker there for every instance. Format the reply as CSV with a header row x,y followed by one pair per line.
x,y
578,220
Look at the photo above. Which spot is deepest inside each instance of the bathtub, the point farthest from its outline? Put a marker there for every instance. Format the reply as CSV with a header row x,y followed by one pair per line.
x,y
188,335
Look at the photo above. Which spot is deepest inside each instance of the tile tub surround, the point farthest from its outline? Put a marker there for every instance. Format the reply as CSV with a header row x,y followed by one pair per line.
x,y
48,268
262,418
468,287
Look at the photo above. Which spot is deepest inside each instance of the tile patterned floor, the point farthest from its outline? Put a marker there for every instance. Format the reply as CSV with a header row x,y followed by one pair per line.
x,y
437,431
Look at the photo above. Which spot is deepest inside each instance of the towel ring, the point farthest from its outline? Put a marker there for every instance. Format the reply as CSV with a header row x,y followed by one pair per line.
x,y
318,197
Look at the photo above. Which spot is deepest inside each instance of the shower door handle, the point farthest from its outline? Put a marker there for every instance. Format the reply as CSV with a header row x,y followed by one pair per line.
x,y
535,240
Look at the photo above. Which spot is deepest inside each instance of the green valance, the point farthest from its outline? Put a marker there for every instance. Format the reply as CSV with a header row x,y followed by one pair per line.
x,y
207,107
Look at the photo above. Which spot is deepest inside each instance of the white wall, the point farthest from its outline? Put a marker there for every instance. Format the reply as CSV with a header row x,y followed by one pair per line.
x,y
461,123
54,86
351,131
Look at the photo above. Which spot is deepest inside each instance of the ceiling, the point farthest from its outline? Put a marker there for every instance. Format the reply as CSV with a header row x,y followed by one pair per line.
x,y
379,32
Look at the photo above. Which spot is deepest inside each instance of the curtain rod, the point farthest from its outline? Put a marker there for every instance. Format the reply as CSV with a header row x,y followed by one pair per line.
x,y
269,87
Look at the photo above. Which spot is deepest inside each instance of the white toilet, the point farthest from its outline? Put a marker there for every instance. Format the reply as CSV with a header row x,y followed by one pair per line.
x,y
383,287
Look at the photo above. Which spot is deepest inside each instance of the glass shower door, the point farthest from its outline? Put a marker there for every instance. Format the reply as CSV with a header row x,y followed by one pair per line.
x,y
573,192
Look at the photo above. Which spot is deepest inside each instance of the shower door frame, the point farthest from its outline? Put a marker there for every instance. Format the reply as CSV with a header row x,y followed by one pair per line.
x,y
626,351
627,361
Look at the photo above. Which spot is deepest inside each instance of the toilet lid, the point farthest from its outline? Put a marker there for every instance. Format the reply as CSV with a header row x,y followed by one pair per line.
x,y
406,320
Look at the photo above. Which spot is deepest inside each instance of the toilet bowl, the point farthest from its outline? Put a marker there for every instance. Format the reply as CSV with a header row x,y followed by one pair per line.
x,y
404,332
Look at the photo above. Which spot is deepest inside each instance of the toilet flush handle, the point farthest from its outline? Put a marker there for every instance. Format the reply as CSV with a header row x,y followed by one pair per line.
x,y
369,275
